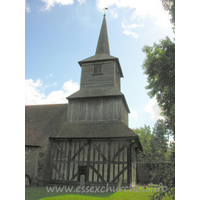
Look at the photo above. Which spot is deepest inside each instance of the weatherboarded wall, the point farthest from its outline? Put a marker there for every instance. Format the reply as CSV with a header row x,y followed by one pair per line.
x,y
95,109
117,78
92,80
124,114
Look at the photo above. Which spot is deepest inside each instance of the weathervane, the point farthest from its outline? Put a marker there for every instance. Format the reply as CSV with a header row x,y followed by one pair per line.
x,y
105,11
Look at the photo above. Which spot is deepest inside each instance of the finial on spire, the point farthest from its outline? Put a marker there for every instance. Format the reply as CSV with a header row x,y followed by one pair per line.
x,y
105,11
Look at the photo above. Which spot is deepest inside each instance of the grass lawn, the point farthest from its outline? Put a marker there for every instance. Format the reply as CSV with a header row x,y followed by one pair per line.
x,y
36,193
40,193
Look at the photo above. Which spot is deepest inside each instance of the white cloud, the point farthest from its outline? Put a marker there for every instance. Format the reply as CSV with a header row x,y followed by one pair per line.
x,y
27,7
81,1
133,114
47,86
34,92
134,26
51,3
50,75
70,87
142,9
128,28
114,14
123,24
153,109
101,4
127,32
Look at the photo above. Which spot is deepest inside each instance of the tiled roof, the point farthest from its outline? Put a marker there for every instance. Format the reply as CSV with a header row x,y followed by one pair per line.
x,y
99,57
42,120
49,121
95,130
96,92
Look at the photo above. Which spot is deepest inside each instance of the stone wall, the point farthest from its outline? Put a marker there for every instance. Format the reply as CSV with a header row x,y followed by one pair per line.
x,y
37,164
150,172
43,173
31,157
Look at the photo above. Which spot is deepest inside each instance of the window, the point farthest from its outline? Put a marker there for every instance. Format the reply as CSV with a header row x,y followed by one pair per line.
x,y
98,69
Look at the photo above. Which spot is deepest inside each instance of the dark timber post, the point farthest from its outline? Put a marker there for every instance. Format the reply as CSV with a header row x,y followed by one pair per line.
x,y
108,174
88,161
51,159
128,163
69,158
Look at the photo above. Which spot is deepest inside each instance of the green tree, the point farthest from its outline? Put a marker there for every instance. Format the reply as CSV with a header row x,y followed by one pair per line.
x,y
157,150
145,137
159,66
167,176
169,5
155,146
161,141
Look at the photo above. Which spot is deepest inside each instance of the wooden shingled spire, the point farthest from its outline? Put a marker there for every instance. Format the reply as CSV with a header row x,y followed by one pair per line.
x,y
103,43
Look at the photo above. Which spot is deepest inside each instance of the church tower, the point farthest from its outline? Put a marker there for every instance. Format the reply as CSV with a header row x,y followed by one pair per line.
x,y
95,141
99,98
87,140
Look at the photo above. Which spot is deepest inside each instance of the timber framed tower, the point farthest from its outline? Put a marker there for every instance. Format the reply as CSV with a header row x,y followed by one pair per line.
x,y
88,136
96,136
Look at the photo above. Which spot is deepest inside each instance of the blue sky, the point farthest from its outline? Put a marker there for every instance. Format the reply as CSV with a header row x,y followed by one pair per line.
x,y
79,30
59,33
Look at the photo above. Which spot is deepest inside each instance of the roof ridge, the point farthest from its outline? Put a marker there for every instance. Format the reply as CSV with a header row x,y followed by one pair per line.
x,y
46,104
